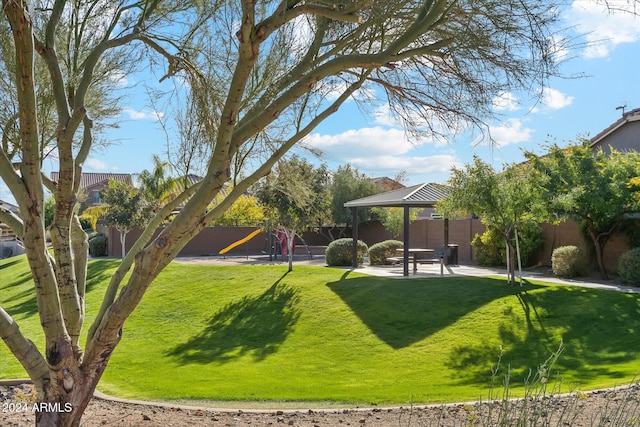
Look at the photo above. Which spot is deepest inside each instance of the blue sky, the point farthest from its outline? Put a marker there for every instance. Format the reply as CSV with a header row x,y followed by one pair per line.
x,y
569,108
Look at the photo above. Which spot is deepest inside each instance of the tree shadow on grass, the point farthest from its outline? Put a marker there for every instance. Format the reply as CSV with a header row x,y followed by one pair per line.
x,y
7,264
403,312
252,325
100,271
25,303
599,329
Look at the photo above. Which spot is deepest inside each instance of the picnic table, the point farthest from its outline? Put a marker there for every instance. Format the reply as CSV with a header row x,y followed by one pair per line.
x,y
419,254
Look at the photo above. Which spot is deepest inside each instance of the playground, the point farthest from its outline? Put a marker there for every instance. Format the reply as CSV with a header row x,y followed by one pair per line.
x,y
276,246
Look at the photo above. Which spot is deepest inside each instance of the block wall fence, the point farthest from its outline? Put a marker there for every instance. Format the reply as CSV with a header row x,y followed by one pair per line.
x,y
423,233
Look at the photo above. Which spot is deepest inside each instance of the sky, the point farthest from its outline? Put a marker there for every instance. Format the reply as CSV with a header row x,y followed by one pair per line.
x,y
569,108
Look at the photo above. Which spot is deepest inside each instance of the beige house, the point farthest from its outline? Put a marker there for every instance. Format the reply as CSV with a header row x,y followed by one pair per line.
x,y
93,183
623,135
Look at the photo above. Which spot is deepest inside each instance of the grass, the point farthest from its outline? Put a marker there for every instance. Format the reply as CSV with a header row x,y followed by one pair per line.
x,y
326,335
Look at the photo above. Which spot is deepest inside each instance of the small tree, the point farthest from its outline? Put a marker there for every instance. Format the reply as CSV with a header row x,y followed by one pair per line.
x,y
349,184
392,219
126,208
295,196
504,201
595,189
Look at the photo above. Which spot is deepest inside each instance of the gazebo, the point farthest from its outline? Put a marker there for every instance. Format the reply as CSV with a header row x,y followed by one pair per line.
x,y
416,196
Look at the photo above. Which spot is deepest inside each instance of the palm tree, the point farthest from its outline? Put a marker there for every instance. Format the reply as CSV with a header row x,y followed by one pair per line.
x,y
157,186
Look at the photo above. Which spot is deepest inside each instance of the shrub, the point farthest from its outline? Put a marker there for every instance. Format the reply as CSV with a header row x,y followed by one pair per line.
x,y
97,244
379,252
629,266
570,261
339,252
85,222
491,250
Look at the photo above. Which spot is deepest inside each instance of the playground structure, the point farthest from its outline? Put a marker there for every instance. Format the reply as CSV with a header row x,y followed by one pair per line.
x,y
241,241
276,243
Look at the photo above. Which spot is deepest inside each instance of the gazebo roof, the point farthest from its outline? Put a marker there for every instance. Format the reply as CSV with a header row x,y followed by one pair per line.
x,y
421,195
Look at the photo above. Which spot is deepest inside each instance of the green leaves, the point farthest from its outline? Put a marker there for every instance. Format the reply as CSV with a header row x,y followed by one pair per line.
x,y
590,186
126,207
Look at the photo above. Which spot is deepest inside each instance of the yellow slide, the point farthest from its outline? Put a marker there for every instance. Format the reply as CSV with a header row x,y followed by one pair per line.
x,y
241,241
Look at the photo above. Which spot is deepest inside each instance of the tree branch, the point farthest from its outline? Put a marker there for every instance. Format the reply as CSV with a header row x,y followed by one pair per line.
x,y
13,221
24,350
265,168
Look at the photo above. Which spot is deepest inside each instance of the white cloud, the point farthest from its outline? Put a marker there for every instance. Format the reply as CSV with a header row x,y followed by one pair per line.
x,y
374,141
143,115
555,99
510,132
505,101
96,164
604,29
382,115
438,131
382,152
413,165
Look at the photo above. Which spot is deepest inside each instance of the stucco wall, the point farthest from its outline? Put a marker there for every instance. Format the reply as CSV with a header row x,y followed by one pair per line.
x,y
423,233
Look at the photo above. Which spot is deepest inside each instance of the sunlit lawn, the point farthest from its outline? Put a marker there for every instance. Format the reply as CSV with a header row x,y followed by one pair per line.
x,y
322,334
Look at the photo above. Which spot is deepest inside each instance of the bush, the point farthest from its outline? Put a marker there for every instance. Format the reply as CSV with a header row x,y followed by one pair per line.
x,y
379,252
97,244
85,222
570,261
629,266
339,252
491,250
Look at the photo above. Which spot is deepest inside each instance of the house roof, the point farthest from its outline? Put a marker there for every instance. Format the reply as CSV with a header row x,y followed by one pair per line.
x,y
630,116
9,206
387,183
421,195
89,179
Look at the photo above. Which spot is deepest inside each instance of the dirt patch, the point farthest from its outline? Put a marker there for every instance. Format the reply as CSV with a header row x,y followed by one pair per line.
x,y
609,407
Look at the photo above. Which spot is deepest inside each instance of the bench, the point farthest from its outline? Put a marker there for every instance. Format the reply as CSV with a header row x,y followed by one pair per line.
x,y
429,261
394,260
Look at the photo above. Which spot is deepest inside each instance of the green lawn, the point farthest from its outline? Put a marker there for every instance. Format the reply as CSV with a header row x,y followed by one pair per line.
x,y
322,334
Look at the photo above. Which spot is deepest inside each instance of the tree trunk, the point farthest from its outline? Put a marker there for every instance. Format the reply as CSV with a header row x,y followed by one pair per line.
x,y
599,255
60,408
519,257
511,275
290,236
123,242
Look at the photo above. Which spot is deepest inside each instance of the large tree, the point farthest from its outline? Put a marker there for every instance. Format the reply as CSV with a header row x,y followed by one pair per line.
x,y
267,71
593,188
